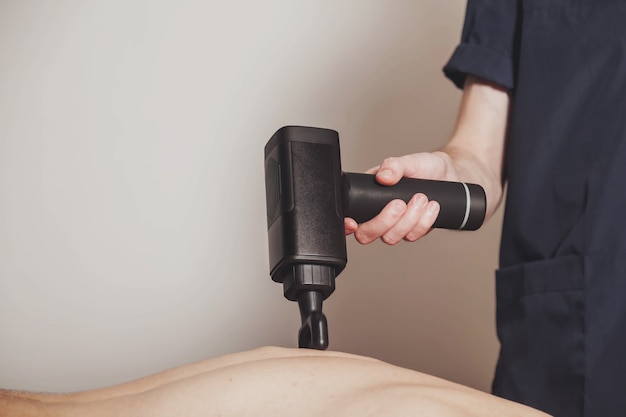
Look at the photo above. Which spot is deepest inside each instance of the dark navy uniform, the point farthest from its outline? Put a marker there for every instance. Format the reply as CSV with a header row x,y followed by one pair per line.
x,y
561,286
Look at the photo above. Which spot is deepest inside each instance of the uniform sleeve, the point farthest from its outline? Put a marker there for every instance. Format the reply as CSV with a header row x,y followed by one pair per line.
x,y
488,45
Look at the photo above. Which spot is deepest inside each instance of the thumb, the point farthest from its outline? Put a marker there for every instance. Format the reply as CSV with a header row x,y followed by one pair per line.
x,y
390,171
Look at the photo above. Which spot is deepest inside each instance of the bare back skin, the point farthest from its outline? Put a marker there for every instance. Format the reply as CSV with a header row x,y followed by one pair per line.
x,y
274,382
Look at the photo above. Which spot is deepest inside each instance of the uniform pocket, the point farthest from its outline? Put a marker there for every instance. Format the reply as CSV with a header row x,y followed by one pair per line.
x,y
540,323
530,5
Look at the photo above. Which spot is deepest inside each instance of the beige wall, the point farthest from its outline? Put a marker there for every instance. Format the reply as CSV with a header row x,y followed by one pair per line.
x,y
132,227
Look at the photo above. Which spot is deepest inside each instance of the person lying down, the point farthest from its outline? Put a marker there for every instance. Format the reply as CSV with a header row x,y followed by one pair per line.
x,y
272,382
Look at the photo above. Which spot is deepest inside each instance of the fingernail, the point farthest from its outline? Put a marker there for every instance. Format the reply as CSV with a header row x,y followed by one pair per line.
x,y
397,208
419,201
385,173
432,207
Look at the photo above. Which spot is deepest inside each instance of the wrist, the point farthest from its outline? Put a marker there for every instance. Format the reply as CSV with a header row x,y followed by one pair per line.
x,y
472,168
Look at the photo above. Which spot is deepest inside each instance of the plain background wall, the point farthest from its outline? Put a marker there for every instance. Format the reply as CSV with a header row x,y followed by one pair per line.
x,y
132,206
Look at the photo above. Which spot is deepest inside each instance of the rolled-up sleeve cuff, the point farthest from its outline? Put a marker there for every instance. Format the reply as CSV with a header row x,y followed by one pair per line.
x,y
481,62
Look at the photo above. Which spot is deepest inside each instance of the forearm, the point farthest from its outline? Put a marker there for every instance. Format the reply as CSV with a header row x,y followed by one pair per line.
x,y
478,143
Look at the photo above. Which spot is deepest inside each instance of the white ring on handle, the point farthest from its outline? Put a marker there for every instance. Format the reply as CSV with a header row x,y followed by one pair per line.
x,y
467,205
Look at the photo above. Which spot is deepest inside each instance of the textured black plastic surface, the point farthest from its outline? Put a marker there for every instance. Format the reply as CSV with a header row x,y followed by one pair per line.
x,y
304,212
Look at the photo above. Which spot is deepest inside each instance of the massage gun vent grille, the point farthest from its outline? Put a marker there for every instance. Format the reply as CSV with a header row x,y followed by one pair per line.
x,y
272,190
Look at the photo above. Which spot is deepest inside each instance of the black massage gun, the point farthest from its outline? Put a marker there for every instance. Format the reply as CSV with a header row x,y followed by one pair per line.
x,y
308,196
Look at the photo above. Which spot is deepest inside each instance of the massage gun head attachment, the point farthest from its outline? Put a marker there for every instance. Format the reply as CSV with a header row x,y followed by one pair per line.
x,y
307,246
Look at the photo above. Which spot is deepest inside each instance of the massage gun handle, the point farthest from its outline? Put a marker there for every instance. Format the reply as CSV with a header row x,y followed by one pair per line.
x,y
462,205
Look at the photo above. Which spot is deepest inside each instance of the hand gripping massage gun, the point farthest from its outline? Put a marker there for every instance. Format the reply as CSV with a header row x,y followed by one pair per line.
x,y
307,198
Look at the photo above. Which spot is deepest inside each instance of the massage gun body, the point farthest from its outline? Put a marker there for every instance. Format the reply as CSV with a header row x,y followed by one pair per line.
x,y
308,195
